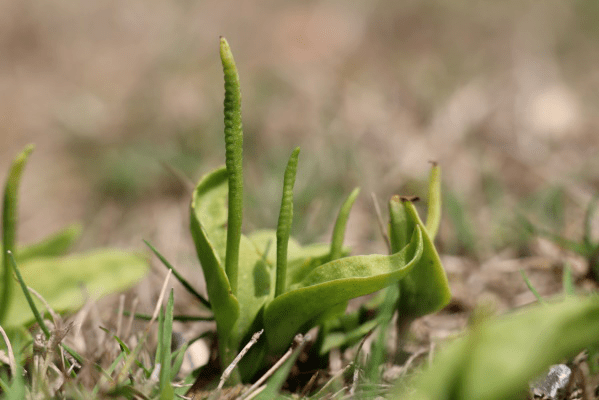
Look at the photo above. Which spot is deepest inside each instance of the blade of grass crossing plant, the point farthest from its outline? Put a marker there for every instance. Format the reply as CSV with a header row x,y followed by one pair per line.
x,y
178,356
179,277
285,221
531,287
341,223
159,342
377,352
568,282
32,305
166,388
433,217
9,227
233,154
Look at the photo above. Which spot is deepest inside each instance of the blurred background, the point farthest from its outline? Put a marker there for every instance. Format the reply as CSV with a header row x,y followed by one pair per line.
x,y
123,100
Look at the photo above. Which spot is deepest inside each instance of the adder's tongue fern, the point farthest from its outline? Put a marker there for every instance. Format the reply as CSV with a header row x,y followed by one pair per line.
x,y
233,154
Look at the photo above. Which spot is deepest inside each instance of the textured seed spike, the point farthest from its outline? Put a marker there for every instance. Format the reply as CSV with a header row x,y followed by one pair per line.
x,y
233,154
285,221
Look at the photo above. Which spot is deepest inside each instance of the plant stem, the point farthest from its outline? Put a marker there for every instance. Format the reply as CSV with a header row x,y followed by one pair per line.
x,y
233,154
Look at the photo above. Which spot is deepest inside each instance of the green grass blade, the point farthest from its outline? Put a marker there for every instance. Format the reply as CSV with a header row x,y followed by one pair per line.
x,y
285,221
577,247
379,345
32,305
178,357
433,217
166,388
531,287
9,227
341,223
233,153
181,318
179,277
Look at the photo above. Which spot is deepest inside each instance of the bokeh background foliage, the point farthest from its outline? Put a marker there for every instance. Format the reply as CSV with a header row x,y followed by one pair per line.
x,y
501,94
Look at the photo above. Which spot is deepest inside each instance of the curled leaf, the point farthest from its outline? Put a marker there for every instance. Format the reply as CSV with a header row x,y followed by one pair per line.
x,y
333,283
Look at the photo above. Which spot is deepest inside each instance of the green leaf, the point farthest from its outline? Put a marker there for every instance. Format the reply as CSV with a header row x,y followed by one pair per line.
x,y
426,288
333,283
55,245
234,315
498,358
234,162
9,229
341,223
60,280
208,219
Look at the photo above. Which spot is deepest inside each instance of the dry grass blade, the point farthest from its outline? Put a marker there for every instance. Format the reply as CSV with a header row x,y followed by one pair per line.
x,y
133,356
11,356
233,364
55,316
298,343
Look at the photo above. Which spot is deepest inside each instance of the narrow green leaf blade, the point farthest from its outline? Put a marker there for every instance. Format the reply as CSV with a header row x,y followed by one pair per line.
x,y
333,283
341,223
166,337
9,228
179,277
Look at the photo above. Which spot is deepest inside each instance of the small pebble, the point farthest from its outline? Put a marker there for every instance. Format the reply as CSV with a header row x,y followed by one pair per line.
x,y
553,385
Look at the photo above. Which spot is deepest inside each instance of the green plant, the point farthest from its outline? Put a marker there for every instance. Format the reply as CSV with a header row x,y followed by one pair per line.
x,y
46,268
267,280
499,356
